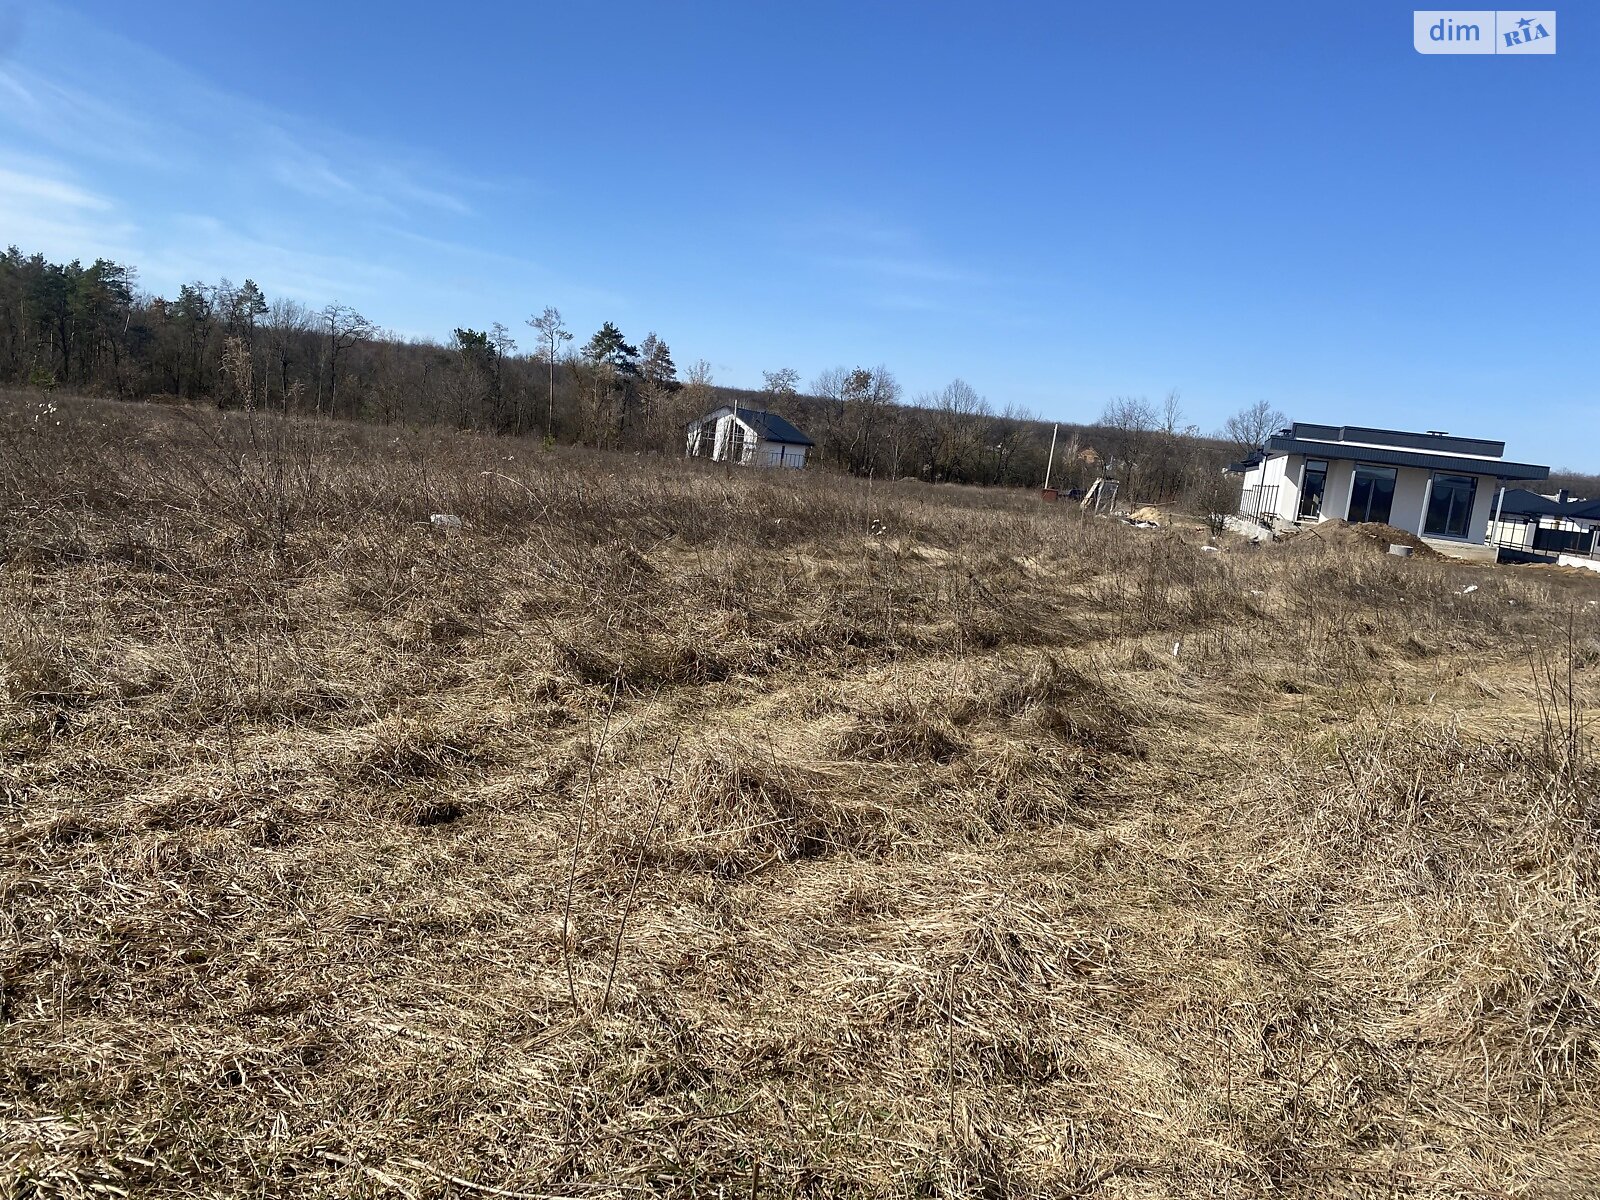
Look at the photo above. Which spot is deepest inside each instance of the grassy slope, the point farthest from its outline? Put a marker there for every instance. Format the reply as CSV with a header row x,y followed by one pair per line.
x,y
663,830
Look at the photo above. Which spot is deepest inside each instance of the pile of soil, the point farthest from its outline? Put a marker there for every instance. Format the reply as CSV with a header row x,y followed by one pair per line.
x,y
1149,513
1371,535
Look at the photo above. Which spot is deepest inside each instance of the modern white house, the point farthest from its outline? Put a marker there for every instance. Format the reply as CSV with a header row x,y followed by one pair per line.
x,y
747,437
1431,484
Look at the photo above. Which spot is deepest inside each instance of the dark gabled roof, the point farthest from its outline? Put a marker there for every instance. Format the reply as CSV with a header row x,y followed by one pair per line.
x,y
1520,502
772,428
1247,463
1499,468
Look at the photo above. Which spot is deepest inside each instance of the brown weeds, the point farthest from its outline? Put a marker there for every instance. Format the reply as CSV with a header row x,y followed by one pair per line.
x,y
664,832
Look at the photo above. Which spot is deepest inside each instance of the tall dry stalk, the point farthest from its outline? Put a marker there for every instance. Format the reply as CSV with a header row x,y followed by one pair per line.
x,y
660,787
596,748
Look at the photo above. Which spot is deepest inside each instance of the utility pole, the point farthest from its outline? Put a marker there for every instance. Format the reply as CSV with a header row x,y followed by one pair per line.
x,y
1050,466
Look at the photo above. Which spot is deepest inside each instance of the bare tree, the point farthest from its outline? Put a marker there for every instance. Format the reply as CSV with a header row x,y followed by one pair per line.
x,y
1216,496
552,333
288,324
597,394
1172,454
501,345
1010,435
1249,428
238,373
345,327
1129,422
782,384
857,413
696,396
959,414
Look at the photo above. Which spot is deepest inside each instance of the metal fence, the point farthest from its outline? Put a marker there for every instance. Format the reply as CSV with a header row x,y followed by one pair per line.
x,y
1531,535
1259,502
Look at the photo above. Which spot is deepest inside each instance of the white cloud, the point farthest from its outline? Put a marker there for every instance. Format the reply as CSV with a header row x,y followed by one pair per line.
x,y
25,190
80,122
156,136
111,149
43,209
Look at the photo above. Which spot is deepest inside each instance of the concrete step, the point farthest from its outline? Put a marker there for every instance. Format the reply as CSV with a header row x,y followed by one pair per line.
x,y
1472,552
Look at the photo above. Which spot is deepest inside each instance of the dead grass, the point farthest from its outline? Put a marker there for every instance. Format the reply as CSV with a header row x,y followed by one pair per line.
x,y
661,832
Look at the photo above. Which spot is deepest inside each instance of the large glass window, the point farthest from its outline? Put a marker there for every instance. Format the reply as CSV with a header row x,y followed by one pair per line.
x,y
1313,483
1372,494
1450,505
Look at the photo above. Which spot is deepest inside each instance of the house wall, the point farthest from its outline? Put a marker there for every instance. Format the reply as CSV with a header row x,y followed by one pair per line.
x,y
1534,533
1272,472
780,454
1282,473
1514,531
725,432
1336,493
1410,490
1411,493
1277,472
714,425
1483,508
1418,491
724,438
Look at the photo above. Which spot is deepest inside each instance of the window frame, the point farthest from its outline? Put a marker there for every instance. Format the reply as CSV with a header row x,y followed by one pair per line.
x,y
1394,487
1306,469
1472,502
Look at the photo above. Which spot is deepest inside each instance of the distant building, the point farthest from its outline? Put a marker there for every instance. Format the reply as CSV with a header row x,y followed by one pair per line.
x,y
747,437
1089,457
1430,484
1545,526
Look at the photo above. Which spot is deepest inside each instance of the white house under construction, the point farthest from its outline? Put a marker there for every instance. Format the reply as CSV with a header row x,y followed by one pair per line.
x,y
747,437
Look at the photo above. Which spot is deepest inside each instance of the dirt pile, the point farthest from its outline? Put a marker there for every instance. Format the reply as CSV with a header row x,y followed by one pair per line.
x,y
1364,535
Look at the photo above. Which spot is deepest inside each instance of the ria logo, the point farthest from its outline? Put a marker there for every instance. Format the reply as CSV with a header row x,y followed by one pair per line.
x,y
1527,31
1484,31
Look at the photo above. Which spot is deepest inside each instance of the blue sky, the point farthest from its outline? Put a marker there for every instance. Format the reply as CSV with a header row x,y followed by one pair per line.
x,y
1059,203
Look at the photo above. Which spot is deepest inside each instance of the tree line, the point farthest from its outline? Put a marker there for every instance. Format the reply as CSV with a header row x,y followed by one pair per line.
x,y
90,328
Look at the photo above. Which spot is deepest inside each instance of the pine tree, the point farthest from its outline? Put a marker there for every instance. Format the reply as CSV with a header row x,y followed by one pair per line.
x,y
608,346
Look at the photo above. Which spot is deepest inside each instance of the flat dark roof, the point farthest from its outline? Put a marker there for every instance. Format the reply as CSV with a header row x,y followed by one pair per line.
x,y
1499,468
1399,439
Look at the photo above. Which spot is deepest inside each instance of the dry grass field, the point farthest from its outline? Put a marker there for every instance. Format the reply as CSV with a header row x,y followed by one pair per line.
x,y
666,832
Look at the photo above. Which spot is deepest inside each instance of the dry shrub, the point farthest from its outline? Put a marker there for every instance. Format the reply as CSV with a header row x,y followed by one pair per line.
x,y
991,961
37,669
1006,787
733,812
1064,702
406,751
1477,852
902,731
638,660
